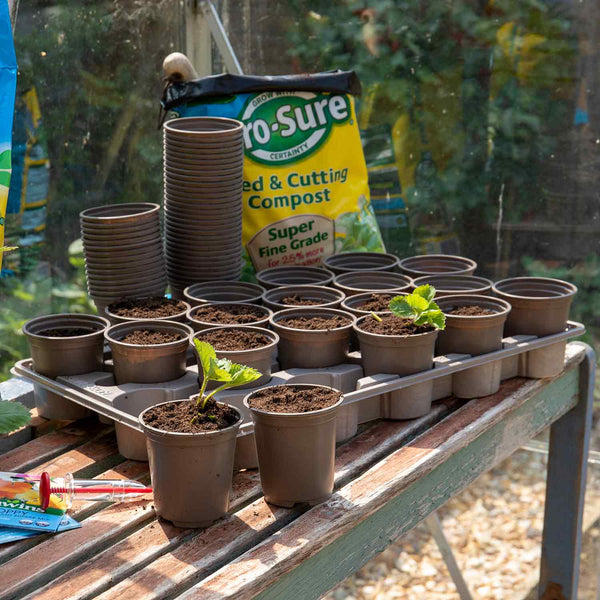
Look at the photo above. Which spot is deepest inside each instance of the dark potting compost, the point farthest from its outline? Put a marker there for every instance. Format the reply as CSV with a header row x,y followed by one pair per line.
x,y
235,339
470,311
315,322
297,300
230,314
66,332
147,308
393,325
145,337
376,302
292,399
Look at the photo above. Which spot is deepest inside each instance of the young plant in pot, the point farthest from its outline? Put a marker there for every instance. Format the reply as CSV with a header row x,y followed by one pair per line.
x,y
294,427
402,342
191,445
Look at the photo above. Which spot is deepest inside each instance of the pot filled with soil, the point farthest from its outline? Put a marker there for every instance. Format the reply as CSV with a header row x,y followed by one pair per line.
x,y
448,285
312,337
155,308
437,264
474,325
223,291
402,342
357,282
369,302
211,314
346,262
191,464
148,351
67,344
294,429
294,275
254,347
288,296
540,305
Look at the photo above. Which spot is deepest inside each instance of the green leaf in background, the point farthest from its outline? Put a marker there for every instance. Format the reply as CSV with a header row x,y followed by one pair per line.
x,y
13,416
5,160
5,178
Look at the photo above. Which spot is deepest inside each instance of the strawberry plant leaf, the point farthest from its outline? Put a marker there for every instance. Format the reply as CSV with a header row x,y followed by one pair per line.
x,y
425,291
13,416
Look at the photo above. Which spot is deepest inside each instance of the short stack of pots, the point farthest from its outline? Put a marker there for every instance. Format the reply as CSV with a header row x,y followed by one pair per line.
x,y
123,252
203,174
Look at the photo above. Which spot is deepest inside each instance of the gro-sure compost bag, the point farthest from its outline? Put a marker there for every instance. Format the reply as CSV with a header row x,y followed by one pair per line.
x,y
306,193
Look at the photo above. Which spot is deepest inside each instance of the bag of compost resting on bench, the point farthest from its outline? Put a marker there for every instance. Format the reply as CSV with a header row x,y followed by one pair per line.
x,y
306,193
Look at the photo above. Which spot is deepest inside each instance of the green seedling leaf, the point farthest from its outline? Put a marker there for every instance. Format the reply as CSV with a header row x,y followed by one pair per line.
x,y
241,374
206,354
419,307
425,291
13,416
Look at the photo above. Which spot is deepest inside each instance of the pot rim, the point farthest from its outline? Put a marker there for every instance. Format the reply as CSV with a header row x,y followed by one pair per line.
x,y
225,286
309,288
276,318
183,313
570,288
182,435
330,261
267,332
292,414
229,126
361,296
145,209
486,284
99,320
327,276
191,317
404,281
469,263
148,324
387,337
503,306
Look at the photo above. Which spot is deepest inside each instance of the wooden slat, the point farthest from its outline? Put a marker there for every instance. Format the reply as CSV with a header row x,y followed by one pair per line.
x,y
207,550
335,538
43,449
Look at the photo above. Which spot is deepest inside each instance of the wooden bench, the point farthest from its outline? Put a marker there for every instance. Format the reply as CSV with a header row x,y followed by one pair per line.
x,y
389,477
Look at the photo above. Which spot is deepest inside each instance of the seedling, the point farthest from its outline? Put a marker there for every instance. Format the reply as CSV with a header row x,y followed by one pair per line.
x,y
228,373
419,307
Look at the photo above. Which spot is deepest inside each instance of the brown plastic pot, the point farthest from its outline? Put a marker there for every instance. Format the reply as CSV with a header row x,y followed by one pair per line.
x,y
55,356
126,215
448,285
346,262
316,348
260,359
152,363
278,276
326,297
191,472
223,291
540,305
357,282
198,325
352,303
436,264
180,317
296,453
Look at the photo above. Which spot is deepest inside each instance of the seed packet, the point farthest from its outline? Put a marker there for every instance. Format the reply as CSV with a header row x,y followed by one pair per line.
x,y
20,504
12,534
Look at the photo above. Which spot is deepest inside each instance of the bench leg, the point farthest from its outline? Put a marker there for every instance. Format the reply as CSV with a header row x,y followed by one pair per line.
x,y
565,493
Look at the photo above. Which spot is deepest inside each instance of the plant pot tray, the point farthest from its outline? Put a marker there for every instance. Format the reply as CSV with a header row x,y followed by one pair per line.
x,y
365,398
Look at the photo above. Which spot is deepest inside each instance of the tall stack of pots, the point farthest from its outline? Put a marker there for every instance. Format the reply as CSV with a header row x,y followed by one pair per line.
x,y
203,175
123,252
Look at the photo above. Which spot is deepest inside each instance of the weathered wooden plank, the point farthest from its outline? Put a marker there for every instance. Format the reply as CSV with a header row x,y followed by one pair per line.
x,y
205,551
43,449
336,538
565,492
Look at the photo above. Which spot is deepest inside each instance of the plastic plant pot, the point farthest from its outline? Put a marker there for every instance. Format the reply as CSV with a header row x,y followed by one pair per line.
x,y
449,285
346,262
540,305
400,355
323,297
353,304
197,324
437,264
223,291
357,282
151,363
180,317
296,453
474,335
312,348
126,215
278,276
73,355
191,472
260,359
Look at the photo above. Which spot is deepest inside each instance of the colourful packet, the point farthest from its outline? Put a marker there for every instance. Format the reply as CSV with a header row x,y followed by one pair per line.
x,y
12,534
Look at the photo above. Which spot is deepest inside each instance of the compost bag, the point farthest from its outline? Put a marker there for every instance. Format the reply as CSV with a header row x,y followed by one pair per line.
x,y
305,191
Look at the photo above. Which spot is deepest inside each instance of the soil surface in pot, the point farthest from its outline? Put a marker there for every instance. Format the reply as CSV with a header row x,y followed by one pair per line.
x,y
330,322
471,311
231,314
292,399
393,325
147,308
297,300
66,332
376,302
145,337
235,339
176,417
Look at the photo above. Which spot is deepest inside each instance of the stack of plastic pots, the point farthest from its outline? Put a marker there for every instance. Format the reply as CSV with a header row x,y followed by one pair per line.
x,y
203,172
123,252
